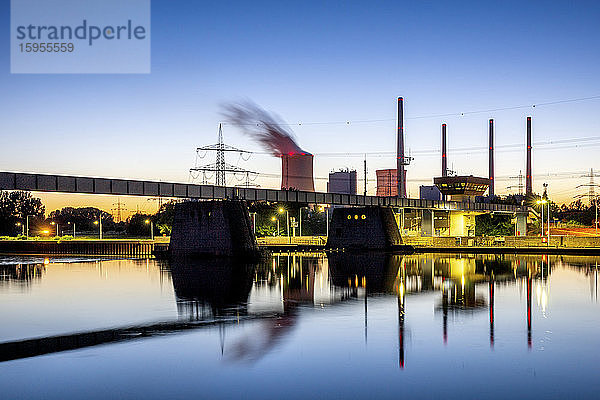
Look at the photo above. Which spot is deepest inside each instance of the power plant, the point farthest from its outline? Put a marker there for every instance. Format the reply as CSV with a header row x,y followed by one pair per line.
x,y
297,164
392,182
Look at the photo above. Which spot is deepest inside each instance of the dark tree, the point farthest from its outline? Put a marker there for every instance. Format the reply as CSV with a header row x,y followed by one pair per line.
x,y
137,225
164,218
15,206
83,218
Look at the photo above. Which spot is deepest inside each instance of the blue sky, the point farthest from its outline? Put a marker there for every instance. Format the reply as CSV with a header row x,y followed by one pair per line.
x,y
321,62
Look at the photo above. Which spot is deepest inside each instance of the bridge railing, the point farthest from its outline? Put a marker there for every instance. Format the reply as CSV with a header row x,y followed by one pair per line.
x,y
292,240
128,187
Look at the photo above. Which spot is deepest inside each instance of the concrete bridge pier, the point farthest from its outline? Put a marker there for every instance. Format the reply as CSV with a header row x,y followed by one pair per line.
x,y
427,228
521,224
364,228
212,228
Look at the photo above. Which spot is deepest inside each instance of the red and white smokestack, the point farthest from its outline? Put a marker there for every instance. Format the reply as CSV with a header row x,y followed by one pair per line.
x,y
491,158
444,156
528,173
401,174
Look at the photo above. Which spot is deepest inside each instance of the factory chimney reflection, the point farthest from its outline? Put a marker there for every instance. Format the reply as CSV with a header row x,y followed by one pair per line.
x,y
275,288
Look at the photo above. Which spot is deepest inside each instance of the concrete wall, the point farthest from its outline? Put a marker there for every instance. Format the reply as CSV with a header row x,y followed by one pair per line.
x,y
363,228
506,241
212,228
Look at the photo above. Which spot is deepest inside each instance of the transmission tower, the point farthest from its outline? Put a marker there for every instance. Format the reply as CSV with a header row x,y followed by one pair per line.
x,y
591,186
118,209
520,185
220,167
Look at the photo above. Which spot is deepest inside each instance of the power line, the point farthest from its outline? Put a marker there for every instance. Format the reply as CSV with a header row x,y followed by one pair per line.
x,y
442,115
542,145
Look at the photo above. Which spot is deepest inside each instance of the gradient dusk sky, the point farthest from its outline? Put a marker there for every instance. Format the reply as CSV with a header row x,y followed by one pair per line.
x,y
325,62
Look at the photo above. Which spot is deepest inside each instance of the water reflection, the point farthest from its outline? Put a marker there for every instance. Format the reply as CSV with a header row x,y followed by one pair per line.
x,y
275,293
211,288
20,274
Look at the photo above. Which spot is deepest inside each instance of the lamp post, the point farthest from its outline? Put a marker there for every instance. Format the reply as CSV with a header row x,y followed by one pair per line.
x,y
73,228
99,223
542,228
287,220
22,228
274,218
57,227
148,222
27,222
542,202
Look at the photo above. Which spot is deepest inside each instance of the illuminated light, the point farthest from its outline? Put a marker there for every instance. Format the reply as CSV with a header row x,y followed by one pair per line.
x,y
355,216
356,280
147,221
281,210
363,216
46,231
273,218
349,216
95,222
52,223
46,261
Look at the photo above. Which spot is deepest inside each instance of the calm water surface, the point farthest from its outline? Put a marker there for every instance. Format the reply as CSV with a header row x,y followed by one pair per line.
x,y
301,326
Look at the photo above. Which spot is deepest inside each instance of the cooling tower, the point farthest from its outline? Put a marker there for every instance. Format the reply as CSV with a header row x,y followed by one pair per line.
x,y
297,172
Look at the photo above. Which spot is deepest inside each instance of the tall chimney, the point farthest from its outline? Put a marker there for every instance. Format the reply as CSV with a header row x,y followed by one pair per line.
x,y
401,174
444,157
491,158
528,173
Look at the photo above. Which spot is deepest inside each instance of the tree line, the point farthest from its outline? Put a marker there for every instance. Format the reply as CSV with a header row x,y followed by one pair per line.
x,y
19,209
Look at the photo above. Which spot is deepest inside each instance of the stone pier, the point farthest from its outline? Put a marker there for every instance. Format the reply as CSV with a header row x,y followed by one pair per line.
x,y
368,228
212,228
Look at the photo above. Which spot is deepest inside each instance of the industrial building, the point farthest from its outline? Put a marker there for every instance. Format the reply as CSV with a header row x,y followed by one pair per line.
x,y
429,192
462,188
343,181
387,182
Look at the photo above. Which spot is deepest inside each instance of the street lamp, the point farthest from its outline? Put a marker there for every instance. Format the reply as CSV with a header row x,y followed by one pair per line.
x,y
22,228
274,218
287,220
148,222
57,228
73,228
542,202
99,223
